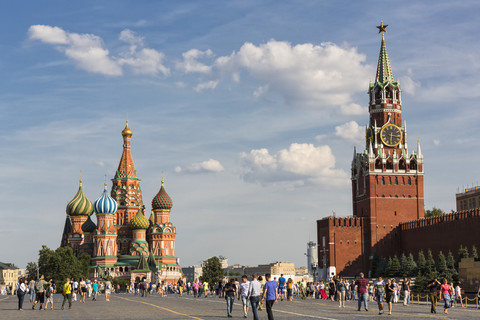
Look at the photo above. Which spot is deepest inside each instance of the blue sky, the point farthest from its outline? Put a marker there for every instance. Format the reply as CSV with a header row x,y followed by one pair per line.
x,y
251,108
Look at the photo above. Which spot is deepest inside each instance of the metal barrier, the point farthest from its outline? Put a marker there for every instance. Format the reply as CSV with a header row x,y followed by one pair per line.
x,y
466,299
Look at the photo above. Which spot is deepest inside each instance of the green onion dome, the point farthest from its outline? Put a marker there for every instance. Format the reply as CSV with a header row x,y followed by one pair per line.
x,y
162,200
89,225
139,221
151,219
80,205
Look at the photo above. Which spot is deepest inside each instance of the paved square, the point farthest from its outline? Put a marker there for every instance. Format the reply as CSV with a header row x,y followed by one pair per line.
x,y
124,306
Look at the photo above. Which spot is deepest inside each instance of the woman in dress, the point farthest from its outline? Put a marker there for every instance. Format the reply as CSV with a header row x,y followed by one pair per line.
x,y
390,293
445,288
290,289
83,290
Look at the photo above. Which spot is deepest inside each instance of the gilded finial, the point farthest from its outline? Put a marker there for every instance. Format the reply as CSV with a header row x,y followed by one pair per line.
x,y
382,28
105,184
80,177
162,177
127,132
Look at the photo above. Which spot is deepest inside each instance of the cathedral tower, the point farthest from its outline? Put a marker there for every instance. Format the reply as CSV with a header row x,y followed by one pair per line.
x,y
79,210
387,181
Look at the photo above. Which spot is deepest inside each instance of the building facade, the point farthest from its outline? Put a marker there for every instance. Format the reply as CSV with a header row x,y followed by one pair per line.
x,y
124,243
9,274
468,200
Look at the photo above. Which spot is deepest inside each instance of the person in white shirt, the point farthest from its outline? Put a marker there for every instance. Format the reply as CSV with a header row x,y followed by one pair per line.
x,y
21,291
458,294
254,292
243,294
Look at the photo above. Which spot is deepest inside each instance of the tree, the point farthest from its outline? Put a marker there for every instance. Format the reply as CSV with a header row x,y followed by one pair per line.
x,y
376,265
387,263
434,212
31,271
395,269
421,263
474,253
212,271
441,265
451,270
462,253
411,268
430,263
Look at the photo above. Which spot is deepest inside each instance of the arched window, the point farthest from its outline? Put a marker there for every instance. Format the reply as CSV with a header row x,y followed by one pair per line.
x,y
396,181
409,181
413,165
402,165
390,164
378,164
388,93
378,94
383,180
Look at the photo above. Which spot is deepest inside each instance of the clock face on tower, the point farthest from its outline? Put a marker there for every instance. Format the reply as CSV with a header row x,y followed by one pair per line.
x,y
391,135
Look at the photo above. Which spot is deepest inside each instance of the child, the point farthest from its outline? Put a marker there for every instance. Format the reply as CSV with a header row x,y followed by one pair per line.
x,y
49,295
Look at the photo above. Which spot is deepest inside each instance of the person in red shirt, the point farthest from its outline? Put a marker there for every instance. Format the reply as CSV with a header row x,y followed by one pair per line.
x,y
362,287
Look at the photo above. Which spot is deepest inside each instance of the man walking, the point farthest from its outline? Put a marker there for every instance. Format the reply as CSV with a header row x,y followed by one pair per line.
x,y
230,291
39,290
433,287
244,287
270,294
31,287
67,294
281,286
406,291
362,289
254,294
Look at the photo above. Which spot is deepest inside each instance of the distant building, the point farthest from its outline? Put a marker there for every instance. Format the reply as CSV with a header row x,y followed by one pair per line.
x,y
192,273
302,271
8,275
235,269
312,258
275,269
468,200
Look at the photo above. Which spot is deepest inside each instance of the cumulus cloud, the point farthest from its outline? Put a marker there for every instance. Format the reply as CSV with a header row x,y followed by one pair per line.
x,y
210,165
353,109
300,164
209,85
350,131
324,75
191,64
88,52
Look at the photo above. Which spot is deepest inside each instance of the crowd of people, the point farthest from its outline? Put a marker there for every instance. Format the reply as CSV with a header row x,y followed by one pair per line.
x,y
256,294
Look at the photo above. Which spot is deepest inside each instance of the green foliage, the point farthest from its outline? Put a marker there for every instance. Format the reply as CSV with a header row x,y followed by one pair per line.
x,y
31,271
387,263
212,271
421,263
122,282
441,265
421,283
410,268
462,253
474,253
434,212
376,265
61,264
451,270
395,269
430,263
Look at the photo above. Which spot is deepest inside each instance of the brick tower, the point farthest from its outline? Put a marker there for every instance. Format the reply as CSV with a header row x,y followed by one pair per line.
x,y
126,191
387,181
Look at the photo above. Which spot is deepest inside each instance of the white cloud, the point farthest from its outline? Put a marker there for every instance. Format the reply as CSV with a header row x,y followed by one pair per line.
x,y
206,85
321,76
353,109
191,64
350,131
300,164
210,165
436,142
87,51
409,85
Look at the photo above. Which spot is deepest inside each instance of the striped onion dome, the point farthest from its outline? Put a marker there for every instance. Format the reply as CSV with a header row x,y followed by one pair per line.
x,y
162,200
80,205
139,221
151,219
105,204
89,226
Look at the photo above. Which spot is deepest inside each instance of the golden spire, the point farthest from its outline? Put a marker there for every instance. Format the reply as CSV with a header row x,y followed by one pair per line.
x,y
105,184
127,132
162,177
80,178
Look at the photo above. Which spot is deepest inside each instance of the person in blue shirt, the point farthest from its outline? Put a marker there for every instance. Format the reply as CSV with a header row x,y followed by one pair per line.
x,y
281,286
270,294
95,290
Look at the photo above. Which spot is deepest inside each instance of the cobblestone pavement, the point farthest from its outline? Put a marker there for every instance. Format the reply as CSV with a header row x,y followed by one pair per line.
x,y
123,306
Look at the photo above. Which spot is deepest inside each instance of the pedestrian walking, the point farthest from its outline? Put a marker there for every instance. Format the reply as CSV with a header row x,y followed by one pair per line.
x,y
67,294
281,286
270,294
406,291
94,290
433,294
31,289
379,293
21,291
254,292
243,294
390,294
289,289
49,291
341,292
362,286
458,294
446,293
230,292
108,289
83,289
39,292
180,287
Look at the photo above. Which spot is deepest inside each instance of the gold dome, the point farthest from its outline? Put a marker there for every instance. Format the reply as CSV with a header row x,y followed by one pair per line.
x,y
127,132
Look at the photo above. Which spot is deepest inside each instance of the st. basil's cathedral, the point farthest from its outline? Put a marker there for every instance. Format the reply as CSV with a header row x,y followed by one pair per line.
x,y
124,244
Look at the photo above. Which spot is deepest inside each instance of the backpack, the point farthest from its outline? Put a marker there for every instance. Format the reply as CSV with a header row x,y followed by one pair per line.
x,y
48,292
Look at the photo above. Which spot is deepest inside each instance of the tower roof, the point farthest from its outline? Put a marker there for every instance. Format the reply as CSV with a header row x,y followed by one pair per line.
x,y
162,200
384,70
89,225
105,204
126,168
139,221
79,205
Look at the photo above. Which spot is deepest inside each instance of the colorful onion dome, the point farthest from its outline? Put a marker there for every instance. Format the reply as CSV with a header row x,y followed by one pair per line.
x,y
89,225
139,221
105,204
127,132
80,205
162,200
